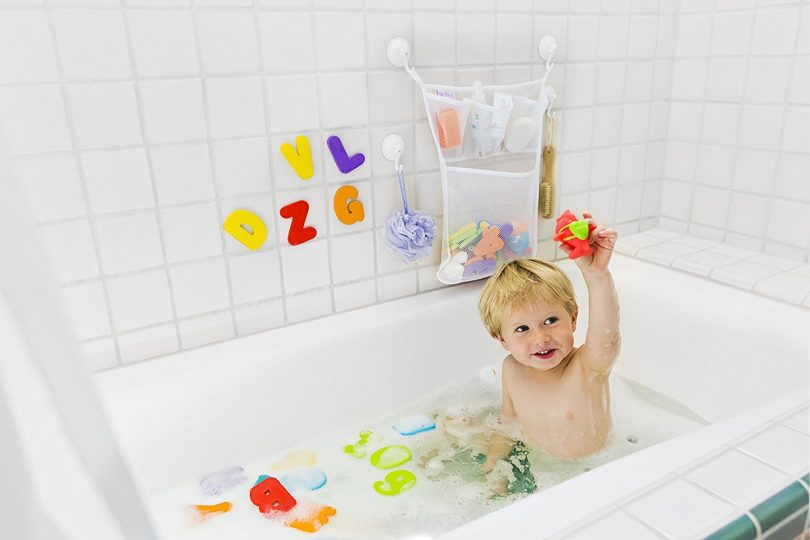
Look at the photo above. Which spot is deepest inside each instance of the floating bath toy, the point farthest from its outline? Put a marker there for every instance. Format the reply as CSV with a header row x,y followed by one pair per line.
x,y
310,479
395,483
270,496
359,449
315,520
573,233
296,458
216,483
416,423
204,511
390,456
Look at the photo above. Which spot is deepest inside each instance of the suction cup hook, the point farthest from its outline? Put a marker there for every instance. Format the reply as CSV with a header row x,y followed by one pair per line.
x,y
393,146
399,50
551,95
547,48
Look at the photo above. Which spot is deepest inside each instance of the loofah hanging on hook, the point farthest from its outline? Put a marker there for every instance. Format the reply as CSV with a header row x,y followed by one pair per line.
x,y
409,235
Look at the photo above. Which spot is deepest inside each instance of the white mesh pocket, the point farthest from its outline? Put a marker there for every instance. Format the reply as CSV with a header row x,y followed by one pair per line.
x,y
448,120
525,127
490,218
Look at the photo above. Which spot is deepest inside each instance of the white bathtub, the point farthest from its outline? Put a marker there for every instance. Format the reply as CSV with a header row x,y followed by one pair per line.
x,y
733,358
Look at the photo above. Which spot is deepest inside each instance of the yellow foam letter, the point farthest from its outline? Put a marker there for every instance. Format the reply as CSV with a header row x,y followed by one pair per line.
x,y
300,160
246,227
348,212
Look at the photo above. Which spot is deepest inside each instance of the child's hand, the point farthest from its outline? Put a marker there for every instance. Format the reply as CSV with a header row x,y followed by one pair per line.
x,y
602,241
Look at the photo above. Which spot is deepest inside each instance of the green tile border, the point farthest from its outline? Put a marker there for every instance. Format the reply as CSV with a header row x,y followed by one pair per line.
x,y
779,507
741,528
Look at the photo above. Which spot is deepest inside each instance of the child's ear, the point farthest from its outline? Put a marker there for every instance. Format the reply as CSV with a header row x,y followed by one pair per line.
x,y
574,320
502,342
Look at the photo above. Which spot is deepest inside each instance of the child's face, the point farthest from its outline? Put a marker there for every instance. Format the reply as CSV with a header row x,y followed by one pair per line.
x,y
539,336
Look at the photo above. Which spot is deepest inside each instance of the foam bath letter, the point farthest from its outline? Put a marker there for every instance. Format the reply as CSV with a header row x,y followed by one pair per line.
x,y
300,160
270,496
246,227
416,423
390,456
315,520
395,482
344,162
203,511
310,479
348,211
298,233
359,449
216,483
296,458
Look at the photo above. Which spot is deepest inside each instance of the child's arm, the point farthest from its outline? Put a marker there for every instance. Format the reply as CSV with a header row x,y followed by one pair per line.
x,y
602,341
507,407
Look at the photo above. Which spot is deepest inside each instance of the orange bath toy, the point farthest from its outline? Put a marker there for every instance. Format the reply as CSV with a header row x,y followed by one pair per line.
x,y
312,523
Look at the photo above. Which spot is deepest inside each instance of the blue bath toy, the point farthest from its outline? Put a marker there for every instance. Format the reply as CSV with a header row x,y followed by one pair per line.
x,y
310,479
416,423
518,244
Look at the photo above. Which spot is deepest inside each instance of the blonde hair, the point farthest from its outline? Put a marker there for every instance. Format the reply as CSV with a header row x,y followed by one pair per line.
x,y
521,283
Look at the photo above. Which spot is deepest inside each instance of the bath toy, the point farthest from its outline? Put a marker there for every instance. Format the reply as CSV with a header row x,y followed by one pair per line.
x,y
247,228
301,159
416,423
482,267
518,244
486,248
505,232
390,456
204,511
294,459
310,479
519,227
447,127
270,496
347,208
315,520
454,269
359,449
218,482
298,233
395,483
344,162
573,232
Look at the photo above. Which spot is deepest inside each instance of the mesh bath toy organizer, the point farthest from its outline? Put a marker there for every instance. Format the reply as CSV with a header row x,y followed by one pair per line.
x,y
489,145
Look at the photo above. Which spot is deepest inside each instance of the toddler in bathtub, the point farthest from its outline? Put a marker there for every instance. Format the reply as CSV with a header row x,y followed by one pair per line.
x,y
557,393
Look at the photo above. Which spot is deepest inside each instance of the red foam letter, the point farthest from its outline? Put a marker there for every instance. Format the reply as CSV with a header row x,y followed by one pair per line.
x,y
298,234
269,495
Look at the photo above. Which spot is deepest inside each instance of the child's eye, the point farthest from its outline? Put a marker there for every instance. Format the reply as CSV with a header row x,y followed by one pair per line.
x,y
522,328
551,320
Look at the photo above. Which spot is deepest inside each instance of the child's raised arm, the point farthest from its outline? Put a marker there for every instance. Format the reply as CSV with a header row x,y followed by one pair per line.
x,y
602,341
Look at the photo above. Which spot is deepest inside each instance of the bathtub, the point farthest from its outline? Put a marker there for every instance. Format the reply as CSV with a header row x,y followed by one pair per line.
x,y
736,361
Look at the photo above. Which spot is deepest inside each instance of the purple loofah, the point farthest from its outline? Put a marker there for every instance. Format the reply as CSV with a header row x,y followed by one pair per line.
x,y
410,235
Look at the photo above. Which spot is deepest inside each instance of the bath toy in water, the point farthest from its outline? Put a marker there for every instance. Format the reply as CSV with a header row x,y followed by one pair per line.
x,y
573,233
216,483
359,449
310,479
270,496
314,520
296,458
204,511
395,483
416,423
390,456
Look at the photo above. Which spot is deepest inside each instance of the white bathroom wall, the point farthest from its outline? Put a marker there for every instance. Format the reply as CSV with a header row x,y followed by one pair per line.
x,y
738,153
139,125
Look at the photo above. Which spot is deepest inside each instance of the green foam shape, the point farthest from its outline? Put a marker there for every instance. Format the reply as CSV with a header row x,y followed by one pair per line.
x,y
579,229
390,456
395,482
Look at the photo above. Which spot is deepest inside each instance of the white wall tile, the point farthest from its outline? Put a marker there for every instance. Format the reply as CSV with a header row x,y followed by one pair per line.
x,y
236,107
340,40
199,287
293,103
731,34
352,257
34,118
748,214
129,242
52,186
87,308
797,130
163,42
92,44
255,277
191,232
309,305
182,173
228,41
514,40
393,286
105,114
28,31
343,99
148,343
714,166
710,207
760,127
305,266
355,295
117,180
434,39
738,478
767,79
257,317
206,329
99,354
754,170
286,41
775,31
173,110
789,223
726,80
242,166
781,447
140,299
614,33
71,250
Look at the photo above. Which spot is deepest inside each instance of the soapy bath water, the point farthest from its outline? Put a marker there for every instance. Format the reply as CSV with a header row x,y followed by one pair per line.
x,y
447,494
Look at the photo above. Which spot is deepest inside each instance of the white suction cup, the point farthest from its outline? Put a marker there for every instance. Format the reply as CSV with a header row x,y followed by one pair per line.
x,y
550,93
393,145
547,48
398,51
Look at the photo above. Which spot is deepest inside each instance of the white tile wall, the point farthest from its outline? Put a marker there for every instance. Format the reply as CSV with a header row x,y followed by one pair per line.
x,y
138,128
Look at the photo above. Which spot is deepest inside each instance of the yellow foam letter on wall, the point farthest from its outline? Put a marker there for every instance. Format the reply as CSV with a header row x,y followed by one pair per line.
x,y
300,160
246,227
348,211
